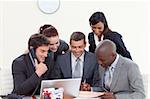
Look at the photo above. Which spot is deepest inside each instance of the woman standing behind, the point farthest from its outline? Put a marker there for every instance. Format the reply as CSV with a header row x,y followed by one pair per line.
x,y
101,31
57,46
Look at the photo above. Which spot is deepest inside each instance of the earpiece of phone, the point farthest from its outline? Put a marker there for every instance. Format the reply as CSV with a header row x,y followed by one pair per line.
x,y
32,56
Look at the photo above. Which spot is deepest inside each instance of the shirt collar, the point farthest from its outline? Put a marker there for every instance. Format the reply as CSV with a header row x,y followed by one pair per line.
x,y
81,57
96,37
115,62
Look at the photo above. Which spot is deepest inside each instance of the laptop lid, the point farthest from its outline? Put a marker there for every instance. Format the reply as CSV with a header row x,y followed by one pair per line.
x,y
71,86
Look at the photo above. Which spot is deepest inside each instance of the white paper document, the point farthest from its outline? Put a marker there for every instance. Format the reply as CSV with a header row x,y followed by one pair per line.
x,y
89,95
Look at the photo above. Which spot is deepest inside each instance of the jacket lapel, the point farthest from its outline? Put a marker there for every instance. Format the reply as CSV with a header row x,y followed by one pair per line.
x,y
116,74
30,66
86,65
68,66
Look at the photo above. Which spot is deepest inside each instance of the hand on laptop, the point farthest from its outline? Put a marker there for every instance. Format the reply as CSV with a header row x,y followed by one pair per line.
x,y
85,87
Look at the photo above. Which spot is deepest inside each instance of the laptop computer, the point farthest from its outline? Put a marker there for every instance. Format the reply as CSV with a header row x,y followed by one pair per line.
x,y
71,86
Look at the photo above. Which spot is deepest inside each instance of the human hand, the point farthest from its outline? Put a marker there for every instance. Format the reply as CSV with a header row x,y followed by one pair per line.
x,y
85,87
108,95
41,68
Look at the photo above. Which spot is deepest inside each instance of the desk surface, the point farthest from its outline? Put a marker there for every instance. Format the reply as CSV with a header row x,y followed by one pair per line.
x,y
90,94
82,95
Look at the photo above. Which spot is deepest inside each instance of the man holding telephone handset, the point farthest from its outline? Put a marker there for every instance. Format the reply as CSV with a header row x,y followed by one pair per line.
x,y
29,69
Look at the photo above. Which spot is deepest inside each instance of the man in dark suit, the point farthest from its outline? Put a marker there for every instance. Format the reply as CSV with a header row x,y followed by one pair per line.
x,y
66,64
120,76
29,69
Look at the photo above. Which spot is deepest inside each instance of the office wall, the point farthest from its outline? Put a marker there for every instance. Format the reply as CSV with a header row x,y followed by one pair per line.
x,y
20,19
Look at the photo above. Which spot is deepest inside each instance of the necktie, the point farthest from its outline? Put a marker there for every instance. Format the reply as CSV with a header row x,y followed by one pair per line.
x,y
77,71
108,78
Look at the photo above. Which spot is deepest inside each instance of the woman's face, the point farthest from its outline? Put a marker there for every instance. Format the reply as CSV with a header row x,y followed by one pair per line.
x,y
98,28
54,43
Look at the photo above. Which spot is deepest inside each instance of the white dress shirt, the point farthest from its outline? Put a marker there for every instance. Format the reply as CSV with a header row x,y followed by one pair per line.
x,y
74,62
97,40
109,73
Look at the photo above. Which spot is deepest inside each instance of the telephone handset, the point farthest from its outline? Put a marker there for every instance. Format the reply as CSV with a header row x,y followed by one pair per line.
x,y
32,56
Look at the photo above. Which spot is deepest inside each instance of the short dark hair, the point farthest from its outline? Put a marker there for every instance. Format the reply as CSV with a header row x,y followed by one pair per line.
x,y
98,17
48,30
37,40
77,36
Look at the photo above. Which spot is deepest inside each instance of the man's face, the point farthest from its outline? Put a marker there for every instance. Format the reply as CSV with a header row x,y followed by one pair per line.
x,y
41,53
77,47
98,28
105,59
54,43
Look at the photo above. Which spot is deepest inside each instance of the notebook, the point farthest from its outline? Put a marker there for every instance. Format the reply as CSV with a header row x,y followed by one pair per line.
x,y
71,86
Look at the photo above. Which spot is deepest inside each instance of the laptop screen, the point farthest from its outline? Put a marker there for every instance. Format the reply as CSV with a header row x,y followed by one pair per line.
x,y
71,86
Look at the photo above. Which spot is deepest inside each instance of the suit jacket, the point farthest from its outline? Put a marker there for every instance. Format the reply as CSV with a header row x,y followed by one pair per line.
x,y
113,36
26,81
127,80
90,68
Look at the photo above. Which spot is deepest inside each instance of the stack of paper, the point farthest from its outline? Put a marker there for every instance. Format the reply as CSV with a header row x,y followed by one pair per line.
x,y
89,95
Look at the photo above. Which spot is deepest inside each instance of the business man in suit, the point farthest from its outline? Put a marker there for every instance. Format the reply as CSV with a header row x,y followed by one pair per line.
x,y
66,64
29,69
120,77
